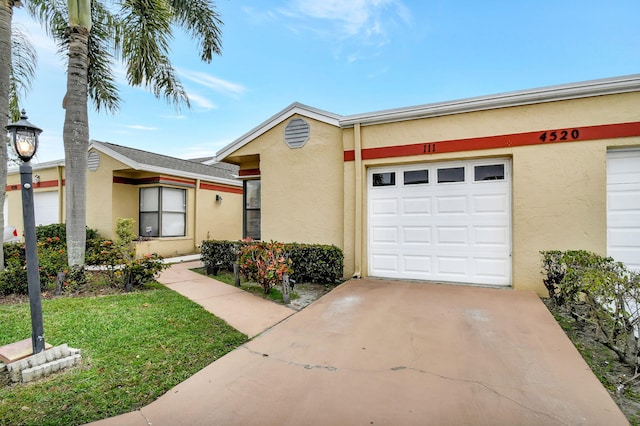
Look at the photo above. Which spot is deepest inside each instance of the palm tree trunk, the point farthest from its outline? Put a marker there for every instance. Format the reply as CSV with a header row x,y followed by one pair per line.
x,y
6,14
76,142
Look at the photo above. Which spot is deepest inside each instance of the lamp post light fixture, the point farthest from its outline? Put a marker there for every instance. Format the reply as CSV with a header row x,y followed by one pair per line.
x,y
24,139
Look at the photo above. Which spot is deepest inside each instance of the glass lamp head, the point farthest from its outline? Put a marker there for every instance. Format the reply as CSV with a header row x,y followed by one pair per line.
x,y
24,137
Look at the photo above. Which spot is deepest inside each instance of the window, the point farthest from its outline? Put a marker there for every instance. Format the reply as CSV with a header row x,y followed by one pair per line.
x,y
416,177
492,172
453,174
384,179
163,212
252,203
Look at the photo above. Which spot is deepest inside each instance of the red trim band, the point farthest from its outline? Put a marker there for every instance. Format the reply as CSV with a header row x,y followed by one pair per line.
x,y
573,134
249,172
212,187
36,185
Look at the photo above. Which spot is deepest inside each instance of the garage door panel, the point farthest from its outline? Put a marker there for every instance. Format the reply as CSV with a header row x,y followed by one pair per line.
x,y
623,207
385,234
419,206
489,203
386,262
456,205
416,264
624,199
624,237
491,236
448,232
388,206
454,267
416,235
453,235
496,268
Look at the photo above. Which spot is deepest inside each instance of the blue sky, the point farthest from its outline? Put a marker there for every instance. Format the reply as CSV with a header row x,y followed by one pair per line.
x,y
347,57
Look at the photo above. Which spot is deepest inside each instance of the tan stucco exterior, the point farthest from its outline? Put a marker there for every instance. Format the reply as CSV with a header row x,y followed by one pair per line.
x,y
113,190
318,193
302,188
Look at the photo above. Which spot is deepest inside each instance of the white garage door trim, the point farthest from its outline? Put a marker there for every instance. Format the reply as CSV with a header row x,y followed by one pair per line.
x,y
46,207
623,206
446,229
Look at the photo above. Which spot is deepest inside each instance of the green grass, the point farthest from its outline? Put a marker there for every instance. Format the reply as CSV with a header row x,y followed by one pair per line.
x,y
228,278
135,347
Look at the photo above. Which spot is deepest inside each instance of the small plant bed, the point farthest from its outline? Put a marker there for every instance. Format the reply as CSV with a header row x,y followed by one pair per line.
x,y
301,296
135,347
619,378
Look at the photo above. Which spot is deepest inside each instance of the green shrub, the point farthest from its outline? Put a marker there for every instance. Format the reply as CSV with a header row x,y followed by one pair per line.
x,y
13,280
316,263
219,255
600,292
118,259
310,262
59,230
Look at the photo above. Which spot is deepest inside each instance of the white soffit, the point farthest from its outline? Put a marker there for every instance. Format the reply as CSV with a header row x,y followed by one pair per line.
x,y
608,86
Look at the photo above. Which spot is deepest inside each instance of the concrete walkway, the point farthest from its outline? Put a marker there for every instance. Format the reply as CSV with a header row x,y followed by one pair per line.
x,y
242,310
376,352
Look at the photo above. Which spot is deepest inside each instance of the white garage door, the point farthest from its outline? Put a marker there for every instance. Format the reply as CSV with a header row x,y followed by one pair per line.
x,y
45,205
447,222
623,206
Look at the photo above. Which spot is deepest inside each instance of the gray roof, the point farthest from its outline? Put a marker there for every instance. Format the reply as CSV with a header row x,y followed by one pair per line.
x,y
219,170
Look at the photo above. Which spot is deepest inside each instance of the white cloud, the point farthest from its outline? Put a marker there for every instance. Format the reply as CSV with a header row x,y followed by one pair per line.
x,y
368,19
201,101
141,127
214,83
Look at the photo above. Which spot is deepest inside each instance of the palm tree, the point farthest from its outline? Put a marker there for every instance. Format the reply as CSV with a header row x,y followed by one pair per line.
x,y
138,33
17,69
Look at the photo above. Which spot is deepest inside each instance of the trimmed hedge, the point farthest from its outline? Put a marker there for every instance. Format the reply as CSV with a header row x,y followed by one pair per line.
x,y
312,263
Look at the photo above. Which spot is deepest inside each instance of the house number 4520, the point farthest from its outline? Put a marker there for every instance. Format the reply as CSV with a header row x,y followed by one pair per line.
x,y
560,135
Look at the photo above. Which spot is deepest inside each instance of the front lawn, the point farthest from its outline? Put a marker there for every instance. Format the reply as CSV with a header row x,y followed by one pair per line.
x,y
135,347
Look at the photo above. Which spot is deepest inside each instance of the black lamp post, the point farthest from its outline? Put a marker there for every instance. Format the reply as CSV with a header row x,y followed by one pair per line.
x,y
24,139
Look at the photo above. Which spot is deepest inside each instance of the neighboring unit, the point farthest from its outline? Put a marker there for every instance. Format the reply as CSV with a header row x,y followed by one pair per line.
x,y
176,203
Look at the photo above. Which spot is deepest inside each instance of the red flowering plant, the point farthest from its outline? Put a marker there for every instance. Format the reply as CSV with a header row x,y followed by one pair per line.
x,y
265,263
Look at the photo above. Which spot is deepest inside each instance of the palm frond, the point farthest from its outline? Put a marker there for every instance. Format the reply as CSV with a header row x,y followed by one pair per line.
x,y
24,59
201,21
103,90
146,32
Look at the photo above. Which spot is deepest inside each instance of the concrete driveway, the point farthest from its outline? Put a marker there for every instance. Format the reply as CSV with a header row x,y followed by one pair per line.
x,y
376,352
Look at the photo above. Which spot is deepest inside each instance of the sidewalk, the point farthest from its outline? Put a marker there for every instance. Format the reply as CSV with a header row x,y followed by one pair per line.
x,y
243,311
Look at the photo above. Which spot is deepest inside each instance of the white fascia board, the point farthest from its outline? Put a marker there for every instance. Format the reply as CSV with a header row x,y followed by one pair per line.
x,y
37,166
294,108
155,169
608,86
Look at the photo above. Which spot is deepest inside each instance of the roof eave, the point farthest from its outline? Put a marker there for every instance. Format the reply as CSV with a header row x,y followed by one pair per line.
x,y
293,109
155,169
591,88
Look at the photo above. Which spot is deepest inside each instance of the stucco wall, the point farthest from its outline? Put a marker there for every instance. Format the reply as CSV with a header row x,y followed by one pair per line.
x,y
302,188
218,220
559,190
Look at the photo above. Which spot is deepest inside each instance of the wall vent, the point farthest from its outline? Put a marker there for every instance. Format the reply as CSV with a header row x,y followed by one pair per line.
x,y
93,161
296,134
